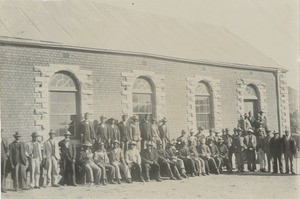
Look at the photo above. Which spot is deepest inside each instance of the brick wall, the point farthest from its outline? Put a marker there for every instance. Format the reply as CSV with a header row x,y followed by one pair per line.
x,y
18,98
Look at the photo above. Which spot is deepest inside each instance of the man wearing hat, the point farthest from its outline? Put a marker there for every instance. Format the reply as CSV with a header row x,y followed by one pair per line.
x,y
34,153
185,155
268,151
117,160
173,156
102,134
244,123
192,139
199,135
68,156
164,133
145,129
238,148
86,129
155,132
223,154
182,138
261,151
101,159
86,159
4,158
18,161
113,131
276,152
51,160
250,145
228,140
217,136
133,159
135,134
150,161
124,128
289,150
262,119
211,136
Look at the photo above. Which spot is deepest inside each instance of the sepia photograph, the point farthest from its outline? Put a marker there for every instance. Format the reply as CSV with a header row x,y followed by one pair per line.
x,y
150,99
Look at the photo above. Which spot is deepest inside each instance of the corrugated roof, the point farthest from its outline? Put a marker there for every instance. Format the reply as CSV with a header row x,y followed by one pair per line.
x,y
96,25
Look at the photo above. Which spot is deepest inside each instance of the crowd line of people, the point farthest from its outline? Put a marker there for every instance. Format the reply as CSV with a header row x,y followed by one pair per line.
x,y
115,152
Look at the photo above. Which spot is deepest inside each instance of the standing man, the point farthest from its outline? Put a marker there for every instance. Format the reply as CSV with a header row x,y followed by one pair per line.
x,y
150,161
224,156
289,150
268,151
68,155
4,157
34,153
164,133
116,158
135,134
261,151
250,144
51,160
86,129
102,134
276,152
133,159
18,161
155,132
113,131
199,135
124,128
228,141
145,129
210,136
238,147
192,139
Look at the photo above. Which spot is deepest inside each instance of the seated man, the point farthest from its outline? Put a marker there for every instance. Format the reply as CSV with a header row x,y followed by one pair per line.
x,y
101,159
224,156
149,159
184,154
205,154
133,159
199,163
116,158
172,152
163,160
86,158
215,153
182,138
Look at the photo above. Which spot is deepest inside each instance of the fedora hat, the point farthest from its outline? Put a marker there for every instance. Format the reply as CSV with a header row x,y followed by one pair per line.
x,y
201,128
116,142
102,117
132,143
150,143
164,119
34,134
17,134
52,132
250,130
135,118
67,133
87,143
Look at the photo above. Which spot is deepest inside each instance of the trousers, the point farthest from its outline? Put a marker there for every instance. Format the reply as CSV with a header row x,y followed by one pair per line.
x,y
155,168
121,167
240,160
68,167
52,171
251,160
288,157
35,172
19,173
3,172
93,172
261,158
277,160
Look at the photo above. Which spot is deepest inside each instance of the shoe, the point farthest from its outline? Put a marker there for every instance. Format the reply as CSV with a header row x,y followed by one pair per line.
x,y
207,173
129,181
3,190
104,183
37,187
142,180
172,178
112,182
158,180
119,182
92,184
74,185
203,174
192,175
26,188
147,180
293,173
56,185
184,175
179,178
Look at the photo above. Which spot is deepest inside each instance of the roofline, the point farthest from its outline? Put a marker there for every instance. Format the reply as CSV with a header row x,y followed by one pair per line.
x,y
46,44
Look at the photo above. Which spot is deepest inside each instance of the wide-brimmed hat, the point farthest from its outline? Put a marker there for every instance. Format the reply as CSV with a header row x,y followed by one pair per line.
x,y
132,143
211,130
102,117
153,119
17,134
52,132
164,119
134,118
239,129
226,129
34,134
116,142
158,142
260,112
150,143
216,132
201,128
275,132
67,133
250,130
220,139
87,143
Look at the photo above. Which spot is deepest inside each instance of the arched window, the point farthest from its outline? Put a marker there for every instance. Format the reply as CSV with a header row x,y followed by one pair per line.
x,y
203,100
143,98
251,100
64,104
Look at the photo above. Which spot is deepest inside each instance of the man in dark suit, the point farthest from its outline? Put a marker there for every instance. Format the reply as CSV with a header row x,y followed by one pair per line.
x,y
101,133
113,131
289,150
164,134
150,161
124,128
4,156
250,145
18,161
145,129
276,152
68,155
86,129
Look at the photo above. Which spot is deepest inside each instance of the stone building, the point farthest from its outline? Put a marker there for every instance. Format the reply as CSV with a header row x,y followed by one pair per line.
x,y
60,59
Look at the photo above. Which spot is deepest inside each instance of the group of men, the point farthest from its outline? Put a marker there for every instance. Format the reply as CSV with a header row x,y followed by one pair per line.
x,y
132,150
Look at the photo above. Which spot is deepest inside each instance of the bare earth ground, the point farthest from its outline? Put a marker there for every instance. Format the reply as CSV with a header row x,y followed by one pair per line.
x,y
246,186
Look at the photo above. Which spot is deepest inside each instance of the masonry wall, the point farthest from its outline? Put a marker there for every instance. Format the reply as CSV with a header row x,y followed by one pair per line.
x,y
18,97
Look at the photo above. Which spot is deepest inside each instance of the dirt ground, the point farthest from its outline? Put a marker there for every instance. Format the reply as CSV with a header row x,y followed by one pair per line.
x,y
246,186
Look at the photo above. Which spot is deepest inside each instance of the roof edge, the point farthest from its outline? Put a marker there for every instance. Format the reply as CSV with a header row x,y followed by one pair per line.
x,y
45,44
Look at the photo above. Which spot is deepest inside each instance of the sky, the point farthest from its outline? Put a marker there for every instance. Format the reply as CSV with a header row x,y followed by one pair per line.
x,y
271,26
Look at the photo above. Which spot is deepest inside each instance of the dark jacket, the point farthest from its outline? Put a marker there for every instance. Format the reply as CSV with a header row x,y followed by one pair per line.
x,y
145,129
114,133
291,143
102,134
4,148
124,131
87,129
276,147
163,131
149,156
17,153
67,153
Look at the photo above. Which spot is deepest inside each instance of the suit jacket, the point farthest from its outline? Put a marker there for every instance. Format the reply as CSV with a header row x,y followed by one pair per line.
x,y
67,153
124,131
276,146
102,133
17,153
203,150
87,129
47,149
29,148
250,142
164,134
135,133
289,145
145,129
114,133
4,148
149,156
